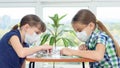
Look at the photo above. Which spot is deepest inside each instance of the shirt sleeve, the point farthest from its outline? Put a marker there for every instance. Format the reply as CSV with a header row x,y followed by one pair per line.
x,y
110,48
7,37
101,39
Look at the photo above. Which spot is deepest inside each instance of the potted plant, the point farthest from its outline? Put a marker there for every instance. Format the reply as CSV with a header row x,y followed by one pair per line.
x,y
55,34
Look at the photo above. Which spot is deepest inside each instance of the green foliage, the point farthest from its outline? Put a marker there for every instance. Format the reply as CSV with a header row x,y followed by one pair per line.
x,y
52,40
56,35
45,37
56,20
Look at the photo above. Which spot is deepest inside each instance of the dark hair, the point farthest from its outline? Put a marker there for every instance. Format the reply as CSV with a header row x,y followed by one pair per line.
x,y
32,20
85,16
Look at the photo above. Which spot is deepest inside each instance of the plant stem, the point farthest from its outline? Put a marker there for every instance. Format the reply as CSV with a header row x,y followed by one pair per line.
x,y
55,36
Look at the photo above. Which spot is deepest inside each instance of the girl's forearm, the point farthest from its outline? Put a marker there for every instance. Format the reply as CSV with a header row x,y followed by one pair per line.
x,y
95,55
28,51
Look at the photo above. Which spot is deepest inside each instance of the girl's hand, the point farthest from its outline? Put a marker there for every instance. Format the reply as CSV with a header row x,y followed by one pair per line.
x,y
83,47
66,51
46,47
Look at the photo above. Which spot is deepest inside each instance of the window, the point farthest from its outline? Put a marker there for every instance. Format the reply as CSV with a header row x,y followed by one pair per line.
x,y
111,19
11,16
70,11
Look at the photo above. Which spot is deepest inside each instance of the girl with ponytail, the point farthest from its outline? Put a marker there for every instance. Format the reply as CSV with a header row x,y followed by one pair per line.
x,y
14,45
99,43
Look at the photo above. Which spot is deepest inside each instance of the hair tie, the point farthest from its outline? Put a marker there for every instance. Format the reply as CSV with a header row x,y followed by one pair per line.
x,y
97,20
18,24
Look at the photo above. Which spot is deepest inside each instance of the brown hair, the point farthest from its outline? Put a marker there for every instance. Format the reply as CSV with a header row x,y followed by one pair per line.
x,y
32,20
85,17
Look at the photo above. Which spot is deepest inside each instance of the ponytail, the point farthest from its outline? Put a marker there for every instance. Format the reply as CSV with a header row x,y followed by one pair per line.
x,y
103,28
15,27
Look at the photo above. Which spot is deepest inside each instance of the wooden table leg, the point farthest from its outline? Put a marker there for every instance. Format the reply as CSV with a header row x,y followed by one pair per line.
x,y
83,64
32,65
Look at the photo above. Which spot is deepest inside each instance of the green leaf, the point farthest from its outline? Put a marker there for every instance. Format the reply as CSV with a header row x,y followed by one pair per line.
x,y
73,32
60,25
53,25
68,30
56,16
44,39
62,17
54,20
52,40
65,42
58,39
70,42
62,31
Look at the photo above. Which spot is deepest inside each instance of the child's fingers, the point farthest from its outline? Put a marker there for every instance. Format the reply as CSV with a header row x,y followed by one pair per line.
x,y
81,47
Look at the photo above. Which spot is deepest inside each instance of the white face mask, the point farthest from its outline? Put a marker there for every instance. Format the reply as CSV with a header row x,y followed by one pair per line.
x,y
30,39
82,36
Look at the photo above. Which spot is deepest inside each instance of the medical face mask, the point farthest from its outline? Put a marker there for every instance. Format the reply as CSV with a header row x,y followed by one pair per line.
x,y
82,36
30,39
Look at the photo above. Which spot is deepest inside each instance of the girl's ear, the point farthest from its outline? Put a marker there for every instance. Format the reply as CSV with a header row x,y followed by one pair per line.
x,y
26,26
92,25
